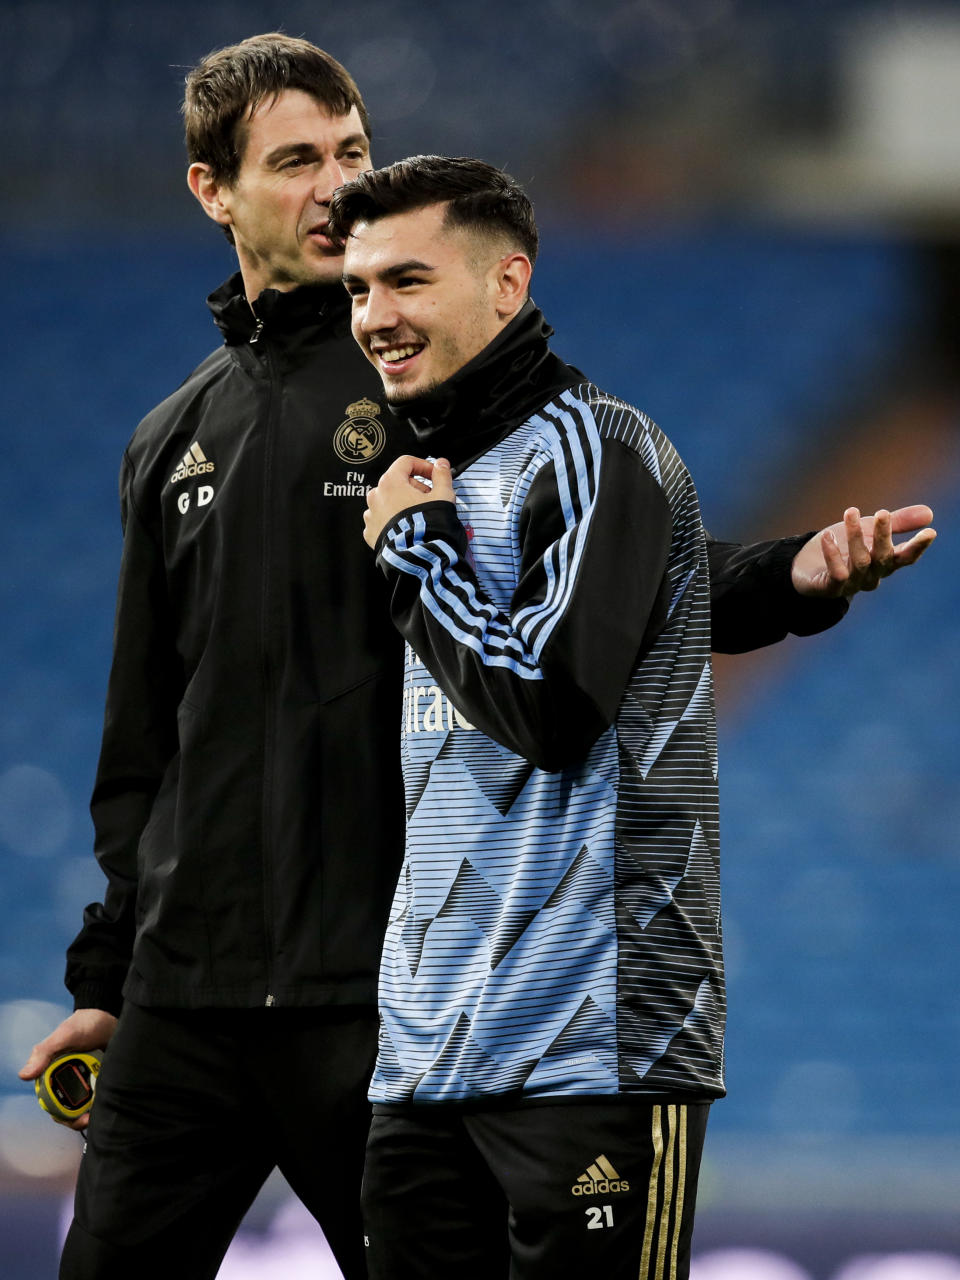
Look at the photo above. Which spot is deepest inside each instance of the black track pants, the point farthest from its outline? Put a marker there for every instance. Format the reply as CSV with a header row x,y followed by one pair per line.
x,y
193,1111
536,1193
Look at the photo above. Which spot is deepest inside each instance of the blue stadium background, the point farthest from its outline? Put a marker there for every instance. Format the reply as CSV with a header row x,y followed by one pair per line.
x,y
798,365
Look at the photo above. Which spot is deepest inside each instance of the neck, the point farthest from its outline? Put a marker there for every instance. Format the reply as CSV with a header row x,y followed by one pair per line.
x,y
512,377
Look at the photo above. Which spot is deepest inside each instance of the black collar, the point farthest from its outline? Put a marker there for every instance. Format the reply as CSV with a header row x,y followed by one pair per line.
x,y
494,393
308,306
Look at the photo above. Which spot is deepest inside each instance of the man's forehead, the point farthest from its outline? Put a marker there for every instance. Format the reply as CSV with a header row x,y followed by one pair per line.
x,y
293,110
398,232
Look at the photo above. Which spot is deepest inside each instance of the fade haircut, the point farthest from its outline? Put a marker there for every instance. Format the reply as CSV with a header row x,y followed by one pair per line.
x,y
228,85
478,196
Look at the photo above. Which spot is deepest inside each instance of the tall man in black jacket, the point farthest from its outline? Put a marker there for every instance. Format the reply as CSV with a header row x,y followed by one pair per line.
x,y
247,805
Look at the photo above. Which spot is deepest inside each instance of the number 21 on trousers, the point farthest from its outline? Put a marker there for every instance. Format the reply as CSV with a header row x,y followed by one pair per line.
x,y
599,1216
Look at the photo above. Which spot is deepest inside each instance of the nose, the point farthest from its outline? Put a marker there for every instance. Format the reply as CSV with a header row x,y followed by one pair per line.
x,y
379,314
329,177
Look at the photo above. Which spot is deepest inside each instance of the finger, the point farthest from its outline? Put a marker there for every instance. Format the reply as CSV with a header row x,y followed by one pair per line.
x,y
882,549
420,467
857,550
838,532
833,556
443,480
910,552
35,1064
407,465
909,519
41,1055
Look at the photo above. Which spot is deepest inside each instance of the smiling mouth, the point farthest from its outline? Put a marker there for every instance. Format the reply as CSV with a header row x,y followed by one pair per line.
x,y
394,357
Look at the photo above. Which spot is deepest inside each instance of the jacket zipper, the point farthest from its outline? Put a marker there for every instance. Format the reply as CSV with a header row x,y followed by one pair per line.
x,y
266,664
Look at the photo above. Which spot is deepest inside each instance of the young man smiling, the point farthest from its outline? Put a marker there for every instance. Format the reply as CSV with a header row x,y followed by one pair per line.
x,y
424,339
551,989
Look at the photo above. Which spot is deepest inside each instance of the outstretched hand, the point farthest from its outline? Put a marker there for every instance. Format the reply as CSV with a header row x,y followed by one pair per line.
x,y
401,486
856,552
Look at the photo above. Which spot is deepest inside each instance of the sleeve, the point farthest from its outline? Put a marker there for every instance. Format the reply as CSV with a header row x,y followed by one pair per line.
x,y
752,599
544,677
139,740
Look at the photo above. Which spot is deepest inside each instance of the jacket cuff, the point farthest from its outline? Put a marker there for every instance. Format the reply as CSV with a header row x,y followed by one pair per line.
x,y
443,515
803,615
98,995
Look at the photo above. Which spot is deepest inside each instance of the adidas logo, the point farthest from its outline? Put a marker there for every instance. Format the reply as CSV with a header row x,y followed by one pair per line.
x,y
193,463
601,1178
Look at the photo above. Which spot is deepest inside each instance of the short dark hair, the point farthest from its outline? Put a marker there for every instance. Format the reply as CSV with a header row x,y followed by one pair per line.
x,y
478,196
228,85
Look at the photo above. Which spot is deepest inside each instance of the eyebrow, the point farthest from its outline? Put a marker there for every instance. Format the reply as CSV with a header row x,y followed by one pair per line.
x,y
392,272
287,149
353,140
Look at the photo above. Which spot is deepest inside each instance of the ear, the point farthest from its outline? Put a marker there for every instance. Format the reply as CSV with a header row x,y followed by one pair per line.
x,y
213,195
511,284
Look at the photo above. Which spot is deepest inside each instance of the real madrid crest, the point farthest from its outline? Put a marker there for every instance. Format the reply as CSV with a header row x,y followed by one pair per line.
x,y
361,436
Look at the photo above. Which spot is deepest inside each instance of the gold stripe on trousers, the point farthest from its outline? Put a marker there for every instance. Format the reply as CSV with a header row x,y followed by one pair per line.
x,y
665,1194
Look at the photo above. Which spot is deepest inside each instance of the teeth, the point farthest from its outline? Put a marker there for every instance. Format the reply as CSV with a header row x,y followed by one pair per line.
x,y
399,353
